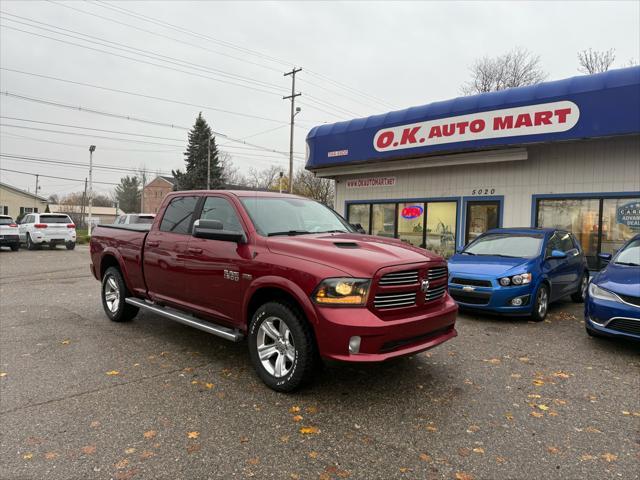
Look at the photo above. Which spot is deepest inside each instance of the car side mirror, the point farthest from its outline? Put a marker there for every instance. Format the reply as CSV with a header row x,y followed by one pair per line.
x,y
558,254
214,230
459,249
605,256
358,227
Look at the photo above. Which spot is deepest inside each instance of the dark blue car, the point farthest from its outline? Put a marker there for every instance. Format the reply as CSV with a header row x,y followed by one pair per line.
x,y
518,271
612,307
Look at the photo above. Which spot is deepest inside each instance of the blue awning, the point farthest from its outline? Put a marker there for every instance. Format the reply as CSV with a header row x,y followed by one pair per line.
x,y
587,106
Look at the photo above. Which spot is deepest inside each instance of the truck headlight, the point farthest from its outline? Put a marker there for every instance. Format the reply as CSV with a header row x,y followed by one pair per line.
x,y
342,291
602,294
520,279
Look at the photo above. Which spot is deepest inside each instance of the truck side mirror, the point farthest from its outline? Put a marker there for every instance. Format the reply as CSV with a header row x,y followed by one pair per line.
x,y
358,227
214,230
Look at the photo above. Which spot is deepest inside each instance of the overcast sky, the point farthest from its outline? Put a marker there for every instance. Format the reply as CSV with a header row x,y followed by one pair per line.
x,y
385,56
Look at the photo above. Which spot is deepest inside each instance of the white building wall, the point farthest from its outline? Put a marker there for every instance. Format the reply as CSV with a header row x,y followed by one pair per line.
x,y
595,166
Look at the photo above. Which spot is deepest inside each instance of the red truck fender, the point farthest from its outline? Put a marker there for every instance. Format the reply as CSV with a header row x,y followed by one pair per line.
x,y
113,253
288,287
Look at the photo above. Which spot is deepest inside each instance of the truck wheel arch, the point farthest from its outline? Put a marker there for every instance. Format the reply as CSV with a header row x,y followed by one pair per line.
x,y
270,291
112,259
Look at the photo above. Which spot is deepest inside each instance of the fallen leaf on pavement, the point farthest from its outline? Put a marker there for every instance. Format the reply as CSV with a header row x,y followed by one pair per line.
x,y
553,450
95,424
464,451
50,455
508,416
313,455
609,457
65,342
27,456
209,385
130,450
523,359
89,449
538,383
294,409
150,434
311,410
254,461
284,438
516,375
122,464
536,414
586,457
493,361
463,476
193,434
592,430
624,412
146,454
425,458
193,448
478,450
543,407
244,439
534,395
500,460
309,430
297,418
431,428
561,374
113,372
473,429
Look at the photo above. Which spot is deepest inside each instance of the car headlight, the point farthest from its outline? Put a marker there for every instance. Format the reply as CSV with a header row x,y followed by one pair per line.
x,y
602,294
342,291
520,279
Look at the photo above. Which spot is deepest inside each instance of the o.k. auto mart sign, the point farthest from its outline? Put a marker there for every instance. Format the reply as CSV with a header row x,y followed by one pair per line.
x,y
538,119
629,215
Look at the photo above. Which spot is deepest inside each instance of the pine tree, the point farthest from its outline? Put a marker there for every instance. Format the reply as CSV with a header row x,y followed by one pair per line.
x,y
195,175
128,194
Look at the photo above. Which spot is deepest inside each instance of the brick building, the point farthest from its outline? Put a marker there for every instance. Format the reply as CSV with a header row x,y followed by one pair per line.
x,y
154,192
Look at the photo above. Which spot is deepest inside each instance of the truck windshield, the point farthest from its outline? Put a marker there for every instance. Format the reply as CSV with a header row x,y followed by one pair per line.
x,y
292,216
506,245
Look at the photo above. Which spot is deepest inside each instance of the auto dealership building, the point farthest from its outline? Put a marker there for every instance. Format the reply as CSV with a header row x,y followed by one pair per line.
x,y
563,154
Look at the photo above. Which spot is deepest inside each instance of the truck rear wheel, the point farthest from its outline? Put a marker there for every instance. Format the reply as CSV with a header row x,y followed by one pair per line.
x,y
282,347
114,292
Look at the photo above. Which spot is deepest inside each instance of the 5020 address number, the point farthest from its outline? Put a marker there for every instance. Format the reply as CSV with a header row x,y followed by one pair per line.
x,y
483,191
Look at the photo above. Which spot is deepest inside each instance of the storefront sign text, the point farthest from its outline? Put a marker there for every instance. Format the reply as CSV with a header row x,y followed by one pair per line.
x,y
414,211
371,182
629,215
509,122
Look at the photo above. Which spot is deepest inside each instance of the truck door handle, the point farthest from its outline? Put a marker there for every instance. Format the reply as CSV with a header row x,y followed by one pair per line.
x,y
153,243
194,250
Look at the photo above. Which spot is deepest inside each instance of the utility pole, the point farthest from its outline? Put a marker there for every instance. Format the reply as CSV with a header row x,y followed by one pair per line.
x,y
84,201
281,182
35,199
209,164
294,112
92,148
144,182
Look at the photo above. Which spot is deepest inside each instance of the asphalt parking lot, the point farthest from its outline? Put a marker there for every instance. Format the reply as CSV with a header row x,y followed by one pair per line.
x,y
81,397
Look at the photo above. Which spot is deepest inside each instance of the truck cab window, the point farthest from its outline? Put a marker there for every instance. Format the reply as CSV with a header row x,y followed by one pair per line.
x,y
177,216
218,208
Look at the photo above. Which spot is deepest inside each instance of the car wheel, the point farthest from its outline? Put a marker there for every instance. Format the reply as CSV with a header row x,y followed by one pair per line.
x,y
114,292
30,244
71,245
541,305
581,294
282,347
15,247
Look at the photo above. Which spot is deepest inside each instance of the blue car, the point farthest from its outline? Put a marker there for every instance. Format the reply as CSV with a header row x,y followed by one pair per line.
x,y
518,271
612,307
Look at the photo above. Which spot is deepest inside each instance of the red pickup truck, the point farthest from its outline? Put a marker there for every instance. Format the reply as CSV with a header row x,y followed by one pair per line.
x,y
284,271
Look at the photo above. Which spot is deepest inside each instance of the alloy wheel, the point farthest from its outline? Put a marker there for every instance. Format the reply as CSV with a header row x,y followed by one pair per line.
x,y
584,286
276,348
543,301
112,294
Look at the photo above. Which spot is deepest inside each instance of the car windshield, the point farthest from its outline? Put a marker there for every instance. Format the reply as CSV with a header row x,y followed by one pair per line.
x,y
6,221
630,255
506,245
292,216
54,219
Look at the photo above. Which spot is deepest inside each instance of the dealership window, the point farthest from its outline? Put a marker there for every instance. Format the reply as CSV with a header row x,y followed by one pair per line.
x,y
411,223
383,219
430,225
441,228
359,213
601,225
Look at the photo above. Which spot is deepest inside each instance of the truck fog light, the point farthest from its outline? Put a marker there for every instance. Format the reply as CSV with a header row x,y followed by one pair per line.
x,y
354,345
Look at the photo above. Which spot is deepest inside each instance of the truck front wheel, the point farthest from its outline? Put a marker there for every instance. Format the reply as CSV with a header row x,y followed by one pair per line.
x,y
114,292
282,347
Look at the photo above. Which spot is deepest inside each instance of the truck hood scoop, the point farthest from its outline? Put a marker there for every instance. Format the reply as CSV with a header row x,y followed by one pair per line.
x,y
346,244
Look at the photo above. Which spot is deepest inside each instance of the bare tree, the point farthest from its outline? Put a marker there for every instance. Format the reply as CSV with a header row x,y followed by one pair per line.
x,y
308,185
267,178
230,173
516,68
594,61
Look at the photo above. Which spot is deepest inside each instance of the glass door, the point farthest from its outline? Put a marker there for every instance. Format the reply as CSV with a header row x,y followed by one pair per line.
x,y
481,216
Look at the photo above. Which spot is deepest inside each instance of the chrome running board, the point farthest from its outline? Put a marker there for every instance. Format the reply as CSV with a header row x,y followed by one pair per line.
x,y
186,319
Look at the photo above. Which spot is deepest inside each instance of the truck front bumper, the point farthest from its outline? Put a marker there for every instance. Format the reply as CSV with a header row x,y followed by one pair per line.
x,y
382,339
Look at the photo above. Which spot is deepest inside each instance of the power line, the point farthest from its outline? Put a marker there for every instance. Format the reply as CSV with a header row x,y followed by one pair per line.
x,y
136,119
136,51
142,95
51,176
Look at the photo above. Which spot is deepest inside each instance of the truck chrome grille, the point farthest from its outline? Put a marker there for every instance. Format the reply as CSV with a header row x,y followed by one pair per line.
x,y
399,278
434,293
436,273
394,300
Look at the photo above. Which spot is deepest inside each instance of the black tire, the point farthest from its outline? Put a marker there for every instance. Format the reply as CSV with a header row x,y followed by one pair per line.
x,y
52,246
30,244
15,247
299,342
112,281
541,303
579,296
70,245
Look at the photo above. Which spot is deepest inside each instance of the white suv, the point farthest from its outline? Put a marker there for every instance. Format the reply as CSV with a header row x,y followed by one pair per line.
x,y
52,229
9,233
